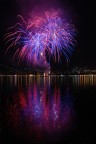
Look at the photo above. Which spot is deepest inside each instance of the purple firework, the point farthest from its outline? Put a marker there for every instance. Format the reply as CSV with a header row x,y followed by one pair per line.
x,y
48,32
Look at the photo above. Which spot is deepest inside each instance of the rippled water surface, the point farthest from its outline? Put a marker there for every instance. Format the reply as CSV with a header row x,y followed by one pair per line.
x,y
46,109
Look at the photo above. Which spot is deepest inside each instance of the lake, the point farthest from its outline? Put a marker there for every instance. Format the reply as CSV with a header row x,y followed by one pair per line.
x,y
53,109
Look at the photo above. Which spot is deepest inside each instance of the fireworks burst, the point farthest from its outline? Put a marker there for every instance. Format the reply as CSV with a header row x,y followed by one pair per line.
x,y
46,33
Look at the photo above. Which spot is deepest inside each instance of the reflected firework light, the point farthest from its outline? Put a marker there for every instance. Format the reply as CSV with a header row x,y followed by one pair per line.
x,y
40,109
43,33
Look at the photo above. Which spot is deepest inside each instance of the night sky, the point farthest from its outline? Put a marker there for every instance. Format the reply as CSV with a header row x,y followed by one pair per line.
x,y
82,13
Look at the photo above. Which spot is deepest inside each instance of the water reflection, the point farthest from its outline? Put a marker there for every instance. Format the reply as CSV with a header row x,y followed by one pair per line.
x,y
27,80
84,80
38,106
42,108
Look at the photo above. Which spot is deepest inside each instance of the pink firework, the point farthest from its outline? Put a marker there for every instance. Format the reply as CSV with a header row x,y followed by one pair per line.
x,y
40,34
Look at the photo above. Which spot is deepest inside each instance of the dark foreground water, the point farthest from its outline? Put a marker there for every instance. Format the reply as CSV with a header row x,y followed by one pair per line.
x,y
46,109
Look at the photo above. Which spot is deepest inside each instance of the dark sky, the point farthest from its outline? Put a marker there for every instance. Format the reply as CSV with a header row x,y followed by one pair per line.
x,y
82,13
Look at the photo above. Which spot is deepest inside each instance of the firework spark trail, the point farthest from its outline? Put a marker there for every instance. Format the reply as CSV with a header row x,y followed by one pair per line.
x,y
40,34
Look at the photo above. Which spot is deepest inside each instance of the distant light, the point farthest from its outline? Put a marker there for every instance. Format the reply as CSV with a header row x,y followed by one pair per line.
x,y
30,75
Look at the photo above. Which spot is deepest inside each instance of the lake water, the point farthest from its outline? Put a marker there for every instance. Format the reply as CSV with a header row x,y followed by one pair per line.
x,y
54,109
